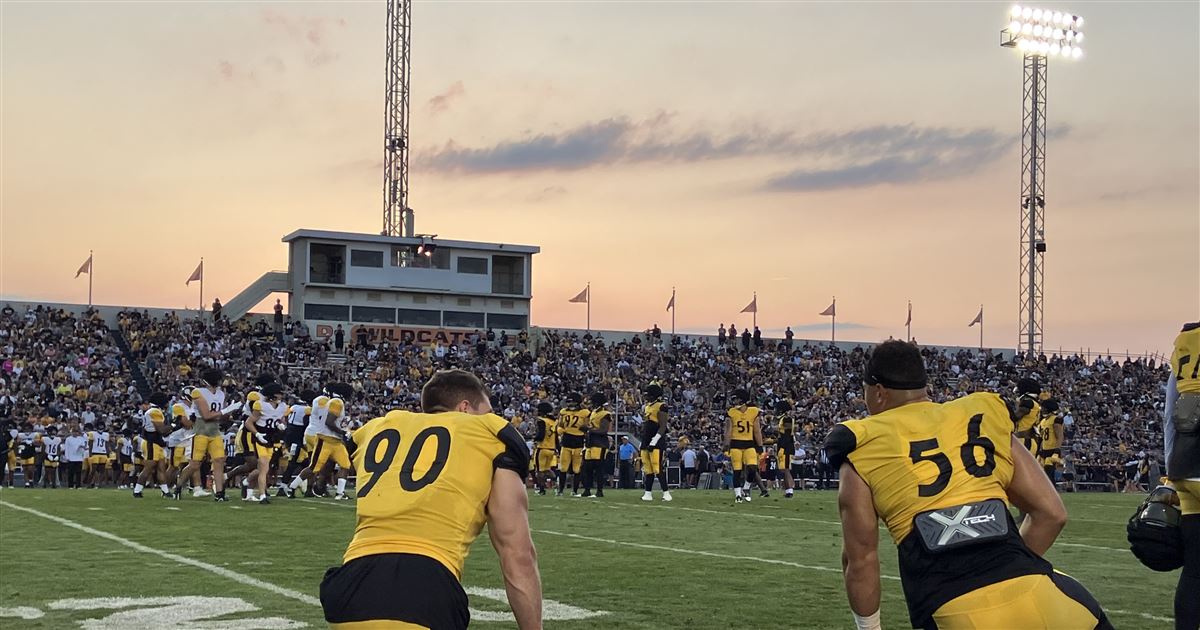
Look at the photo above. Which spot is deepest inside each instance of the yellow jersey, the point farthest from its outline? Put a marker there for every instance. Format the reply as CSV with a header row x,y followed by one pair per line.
x,y
597,436
1046,435
572,424
1030,420
547,433
1185,359
741,426
651,425
424,482
922,457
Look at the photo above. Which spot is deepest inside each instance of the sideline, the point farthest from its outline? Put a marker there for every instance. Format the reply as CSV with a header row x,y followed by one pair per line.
x,y
211,568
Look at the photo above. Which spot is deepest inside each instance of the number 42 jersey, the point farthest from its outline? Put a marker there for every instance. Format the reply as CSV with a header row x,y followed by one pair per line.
x,y
424,482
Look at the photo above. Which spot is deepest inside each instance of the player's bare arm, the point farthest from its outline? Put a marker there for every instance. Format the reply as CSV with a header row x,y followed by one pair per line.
x,y
508,528
1031,491
860,543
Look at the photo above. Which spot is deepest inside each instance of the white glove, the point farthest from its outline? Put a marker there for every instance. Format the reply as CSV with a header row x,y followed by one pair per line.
x,y
231,408
654,440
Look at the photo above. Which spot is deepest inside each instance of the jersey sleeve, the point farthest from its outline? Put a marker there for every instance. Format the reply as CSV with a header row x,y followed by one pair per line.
x,y
196,395
156,416
515,456
839,444
336,406
541,430
256,406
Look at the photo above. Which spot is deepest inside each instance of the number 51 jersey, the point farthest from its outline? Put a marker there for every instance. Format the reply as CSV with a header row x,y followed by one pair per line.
x,y
424,481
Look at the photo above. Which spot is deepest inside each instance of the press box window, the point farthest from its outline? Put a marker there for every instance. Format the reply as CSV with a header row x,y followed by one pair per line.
x,y
462,319
506,321
366,258
418,317
467,264
327,312
374,315
327,263
508,275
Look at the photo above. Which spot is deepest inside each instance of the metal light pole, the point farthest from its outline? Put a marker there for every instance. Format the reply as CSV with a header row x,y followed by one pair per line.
x,y
1039,34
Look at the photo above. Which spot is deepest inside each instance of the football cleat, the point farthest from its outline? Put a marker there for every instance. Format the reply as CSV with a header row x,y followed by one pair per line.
x,y
137,495
667,496
738,499
200,493
764,494
647,496
220,498
341,497
263,499
746,498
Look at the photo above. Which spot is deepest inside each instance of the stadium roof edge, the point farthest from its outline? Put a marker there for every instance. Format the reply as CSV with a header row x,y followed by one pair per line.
x,y
408,240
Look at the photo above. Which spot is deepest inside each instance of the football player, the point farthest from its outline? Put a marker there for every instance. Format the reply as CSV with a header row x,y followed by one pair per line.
x,y
1027,412
51,456
1182,451
941,477
262,428
98,455
594,458
27,450
654,440
545,442
293,437
328,422
404,565
572,425
785,445
154,430
244,447
1050,438
743,440
209,404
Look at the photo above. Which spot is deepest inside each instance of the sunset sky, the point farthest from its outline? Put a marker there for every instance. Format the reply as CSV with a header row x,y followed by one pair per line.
x,y
800,150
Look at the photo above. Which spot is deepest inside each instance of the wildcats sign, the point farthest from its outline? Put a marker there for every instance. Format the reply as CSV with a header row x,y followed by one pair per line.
x,y
376,334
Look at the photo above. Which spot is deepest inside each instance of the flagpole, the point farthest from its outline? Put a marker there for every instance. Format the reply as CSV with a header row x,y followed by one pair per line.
x,y
755,319
672,311
908,325
833,324
91,274
201,287
589,307
981,327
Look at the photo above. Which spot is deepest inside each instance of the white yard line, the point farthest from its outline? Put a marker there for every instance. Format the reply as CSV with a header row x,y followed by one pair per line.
x,y
696,552
740,514
1142,615
211,568
1081,545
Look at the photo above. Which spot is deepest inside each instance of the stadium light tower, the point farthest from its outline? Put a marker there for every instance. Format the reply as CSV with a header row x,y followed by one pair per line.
x,y
397,216
1039,34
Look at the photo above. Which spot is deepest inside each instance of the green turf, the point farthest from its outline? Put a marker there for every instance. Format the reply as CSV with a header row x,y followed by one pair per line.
x,y
750,566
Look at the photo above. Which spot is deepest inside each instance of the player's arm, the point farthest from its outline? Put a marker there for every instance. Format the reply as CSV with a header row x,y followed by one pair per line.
x,y
662,426
727,439
336,407
540,434
860,546
255,413
1059,432
508,528
1031,491
758,439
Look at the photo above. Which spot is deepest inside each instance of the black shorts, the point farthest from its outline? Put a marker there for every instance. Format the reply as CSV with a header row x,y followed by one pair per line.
x,y
395,586
293,435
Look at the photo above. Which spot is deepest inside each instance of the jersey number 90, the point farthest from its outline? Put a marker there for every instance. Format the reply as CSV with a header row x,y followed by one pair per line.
x,y
377,463
925,451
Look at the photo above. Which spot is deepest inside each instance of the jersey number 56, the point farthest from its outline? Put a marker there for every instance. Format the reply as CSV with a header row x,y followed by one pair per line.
x,y
925,451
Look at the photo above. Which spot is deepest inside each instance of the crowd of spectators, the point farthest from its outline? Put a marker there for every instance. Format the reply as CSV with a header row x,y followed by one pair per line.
x,y
55,363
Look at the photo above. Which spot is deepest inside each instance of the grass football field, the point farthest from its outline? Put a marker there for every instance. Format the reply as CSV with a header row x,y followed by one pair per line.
x,y
100,559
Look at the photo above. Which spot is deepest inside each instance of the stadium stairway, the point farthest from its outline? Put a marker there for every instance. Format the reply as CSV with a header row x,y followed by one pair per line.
x,y
135,368
268,283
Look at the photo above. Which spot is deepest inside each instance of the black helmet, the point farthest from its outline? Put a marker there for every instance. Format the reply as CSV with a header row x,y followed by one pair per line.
x,y
545,409
1028,386
1153,531
1050,405
212,376
654,391
341,390
740,396
574,398
264,379
306,395
599,400
159,399
272,389
782,406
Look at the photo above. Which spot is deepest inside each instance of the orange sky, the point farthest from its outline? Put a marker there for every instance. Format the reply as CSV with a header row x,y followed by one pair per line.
x,y
797,150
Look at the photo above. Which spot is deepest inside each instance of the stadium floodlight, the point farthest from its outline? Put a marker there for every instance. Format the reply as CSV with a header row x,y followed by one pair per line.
x,y
1038,34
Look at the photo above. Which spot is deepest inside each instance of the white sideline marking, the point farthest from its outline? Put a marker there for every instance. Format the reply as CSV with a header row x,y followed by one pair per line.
x,y
96,509
1066,544
746,514
175,509
22,612
211,568
174,612
551,610
1142,615
710,554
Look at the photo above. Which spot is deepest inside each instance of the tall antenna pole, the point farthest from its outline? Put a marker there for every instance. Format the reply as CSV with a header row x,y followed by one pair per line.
x,y
397,216
1039,34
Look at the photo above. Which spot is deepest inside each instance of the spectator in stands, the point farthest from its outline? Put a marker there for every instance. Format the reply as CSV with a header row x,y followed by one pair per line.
x,y
339,338
721,336
216,309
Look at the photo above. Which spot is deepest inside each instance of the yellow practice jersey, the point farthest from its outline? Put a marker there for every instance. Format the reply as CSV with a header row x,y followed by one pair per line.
x,y
1046,435
424,481
1185,359
651,425
924,456
547,433
741,426
1030,420
598,418
573,421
